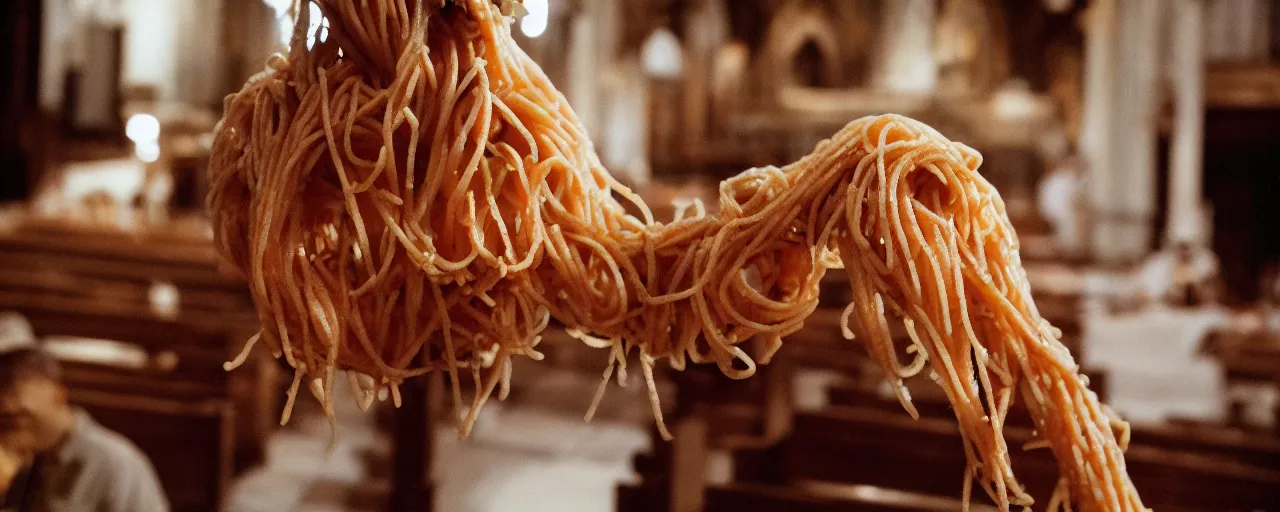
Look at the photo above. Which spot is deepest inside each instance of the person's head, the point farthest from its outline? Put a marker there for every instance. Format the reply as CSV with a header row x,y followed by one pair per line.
x,y
34,413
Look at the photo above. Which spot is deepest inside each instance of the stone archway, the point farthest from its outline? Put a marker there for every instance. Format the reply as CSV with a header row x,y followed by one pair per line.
x,y
801,32
807,68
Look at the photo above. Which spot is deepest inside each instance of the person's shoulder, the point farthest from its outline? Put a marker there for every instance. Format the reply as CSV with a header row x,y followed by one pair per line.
x,y
125,478
110,448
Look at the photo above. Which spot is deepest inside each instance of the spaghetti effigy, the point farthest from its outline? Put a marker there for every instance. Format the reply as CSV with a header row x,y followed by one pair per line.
x,y
412,194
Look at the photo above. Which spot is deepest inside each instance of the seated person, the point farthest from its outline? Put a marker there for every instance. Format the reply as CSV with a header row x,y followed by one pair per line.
x,y
1185,275
71,463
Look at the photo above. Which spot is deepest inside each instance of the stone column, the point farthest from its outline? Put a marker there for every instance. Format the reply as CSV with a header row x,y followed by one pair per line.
x,y
594,39
906,62
151,46
584,65
1186,159
200,53
706,30
1119,136
55,34
1095,131
624,138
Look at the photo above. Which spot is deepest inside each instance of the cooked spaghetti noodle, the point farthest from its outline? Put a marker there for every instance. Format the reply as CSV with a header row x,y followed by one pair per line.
x,y
412,195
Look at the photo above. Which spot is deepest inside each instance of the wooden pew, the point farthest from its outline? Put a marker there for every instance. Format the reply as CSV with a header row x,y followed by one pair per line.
x,y
1216,442
1248,358
871,447
1208,440
177,409
856,396
816,497
933,403
741,414
738,414
196,422
712,412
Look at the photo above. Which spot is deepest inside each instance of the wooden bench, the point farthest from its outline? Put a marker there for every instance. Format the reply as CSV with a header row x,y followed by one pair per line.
x,y
856,396
177,408
1252,358
197,422
754,413
1209,440
871,447
816,497
803,497
932,402
738,415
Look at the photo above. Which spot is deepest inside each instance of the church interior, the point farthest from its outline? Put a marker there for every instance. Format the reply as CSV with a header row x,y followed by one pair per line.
x,y
1129,140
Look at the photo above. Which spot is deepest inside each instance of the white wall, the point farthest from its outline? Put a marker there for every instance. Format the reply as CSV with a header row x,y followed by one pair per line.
x,y
199,62
171,45
150,48
907,62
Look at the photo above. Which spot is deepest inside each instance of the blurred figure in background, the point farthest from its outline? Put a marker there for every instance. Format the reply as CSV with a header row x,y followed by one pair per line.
x,y
1059,199
71,463
1196,280
1185,276
15,333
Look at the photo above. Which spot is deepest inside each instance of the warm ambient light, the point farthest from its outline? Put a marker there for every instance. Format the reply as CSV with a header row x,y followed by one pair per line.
x,y
142,128
1058,6
1015,102
661,56
164,298
535,23
147,151
144,131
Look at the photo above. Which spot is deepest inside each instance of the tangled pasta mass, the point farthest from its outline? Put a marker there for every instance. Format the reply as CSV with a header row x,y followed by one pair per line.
x,y
412,194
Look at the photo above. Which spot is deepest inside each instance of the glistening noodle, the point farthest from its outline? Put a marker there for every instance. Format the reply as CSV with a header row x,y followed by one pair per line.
x,y
413,195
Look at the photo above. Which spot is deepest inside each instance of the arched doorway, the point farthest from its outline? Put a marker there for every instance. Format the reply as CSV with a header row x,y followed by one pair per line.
x,y
801,48
806,66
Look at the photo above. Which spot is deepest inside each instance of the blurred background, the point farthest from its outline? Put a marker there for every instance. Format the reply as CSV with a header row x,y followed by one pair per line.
x,y
1132,140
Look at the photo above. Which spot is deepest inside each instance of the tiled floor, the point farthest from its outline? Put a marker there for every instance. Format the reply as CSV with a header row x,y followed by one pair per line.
x,y
530,454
